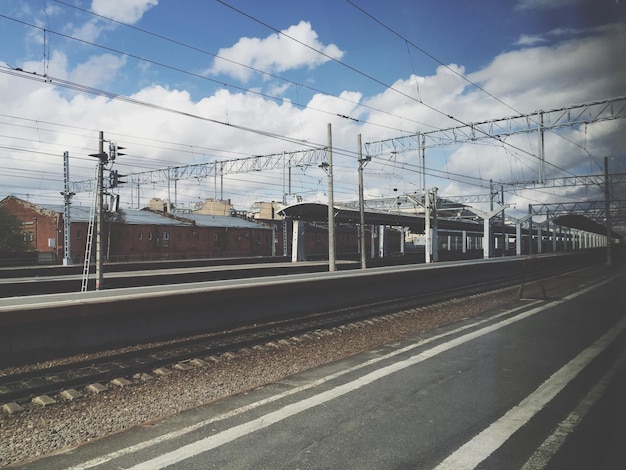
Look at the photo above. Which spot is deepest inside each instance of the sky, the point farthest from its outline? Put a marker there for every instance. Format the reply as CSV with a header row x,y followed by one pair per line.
x,y
193,82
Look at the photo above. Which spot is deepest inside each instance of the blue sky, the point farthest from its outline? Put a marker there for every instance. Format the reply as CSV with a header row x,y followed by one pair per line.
x,y
291,68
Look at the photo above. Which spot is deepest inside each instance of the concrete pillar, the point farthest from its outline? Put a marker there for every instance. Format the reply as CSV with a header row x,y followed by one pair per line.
x,y
298,252
569,245
464,241
435,243
487,250
530,235
381,241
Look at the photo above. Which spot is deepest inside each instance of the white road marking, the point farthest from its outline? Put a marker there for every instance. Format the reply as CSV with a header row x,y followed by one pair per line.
x,y
181,432
553,443
485,443
228,435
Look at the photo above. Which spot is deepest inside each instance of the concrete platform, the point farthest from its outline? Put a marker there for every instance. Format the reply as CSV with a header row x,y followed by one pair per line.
x,y
76,321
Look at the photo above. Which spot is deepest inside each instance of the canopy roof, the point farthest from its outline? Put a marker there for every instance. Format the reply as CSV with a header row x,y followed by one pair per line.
x,y
317,212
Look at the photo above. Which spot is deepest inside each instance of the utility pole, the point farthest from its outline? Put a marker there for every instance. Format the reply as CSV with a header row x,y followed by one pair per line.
x,y
542,151
103,158
607,205
427,234
362,163
435,228
67,197
331,204
100,213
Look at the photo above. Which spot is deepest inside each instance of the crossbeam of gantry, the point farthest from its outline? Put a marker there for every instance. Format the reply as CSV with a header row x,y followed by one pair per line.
x,y
218,168
500,128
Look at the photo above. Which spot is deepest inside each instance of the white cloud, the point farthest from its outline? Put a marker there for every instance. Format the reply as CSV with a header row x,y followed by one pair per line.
x,y
575,71
529,40
544,4
125,11
97,70
275,53
88,31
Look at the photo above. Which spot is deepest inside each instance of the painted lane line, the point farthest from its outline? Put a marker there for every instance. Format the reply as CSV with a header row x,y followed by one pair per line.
x,y
473,452
179,433
229,435
548,449
182,432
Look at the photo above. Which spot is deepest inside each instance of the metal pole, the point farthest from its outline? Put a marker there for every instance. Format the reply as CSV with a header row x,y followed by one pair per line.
x,y
435,229
427,234
100,214
67,197
607,204
423,152
221,181
169,196
331,205
542,155
361,205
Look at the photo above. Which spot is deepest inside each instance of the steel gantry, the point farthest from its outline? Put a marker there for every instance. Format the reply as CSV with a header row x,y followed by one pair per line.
x,y
501,128
217,169
593,210
576,115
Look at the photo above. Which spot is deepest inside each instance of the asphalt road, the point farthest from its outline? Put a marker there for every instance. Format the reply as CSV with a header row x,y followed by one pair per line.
x,y
541,386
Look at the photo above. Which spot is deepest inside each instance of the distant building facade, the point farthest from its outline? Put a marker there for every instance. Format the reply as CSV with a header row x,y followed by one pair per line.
x,y
137,235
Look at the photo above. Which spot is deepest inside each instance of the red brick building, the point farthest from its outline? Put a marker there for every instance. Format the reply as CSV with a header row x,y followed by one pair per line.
x,y
135,235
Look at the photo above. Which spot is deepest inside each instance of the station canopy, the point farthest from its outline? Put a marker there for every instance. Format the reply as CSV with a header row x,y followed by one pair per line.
x,y
317,212
584,223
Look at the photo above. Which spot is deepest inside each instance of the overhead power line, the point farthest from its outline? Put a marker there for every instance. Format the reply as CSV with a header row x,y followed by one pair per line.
x,y
209,79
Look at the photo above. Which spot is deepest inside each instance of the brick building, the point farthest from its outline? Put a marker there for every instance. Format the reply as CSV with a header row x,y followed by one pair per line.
x,y
135,235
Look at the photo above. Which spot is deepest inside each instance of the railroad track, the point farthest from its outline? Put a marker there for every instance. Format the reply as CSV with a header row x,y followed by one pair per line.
x,y
22,387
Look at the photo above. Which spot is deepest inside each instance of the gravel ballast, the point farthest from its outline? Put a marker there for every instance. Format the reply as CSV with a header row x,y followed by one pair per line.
x,y
39,430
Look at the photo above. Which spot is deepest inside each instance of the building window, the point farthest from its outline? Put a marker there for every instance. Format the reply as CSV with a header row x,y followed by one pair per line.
x,y
149,235
140,235
180,236
166,236
79,234
215,237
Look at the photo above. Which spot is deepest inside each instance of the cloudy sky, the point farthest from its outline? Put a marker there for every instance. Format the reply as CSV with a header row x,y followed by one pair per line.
x,y
189,82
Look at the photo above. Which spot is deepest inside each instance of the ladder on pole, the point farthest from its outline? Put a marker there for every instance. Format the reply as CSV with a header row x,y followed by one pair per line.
x,y
92,218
